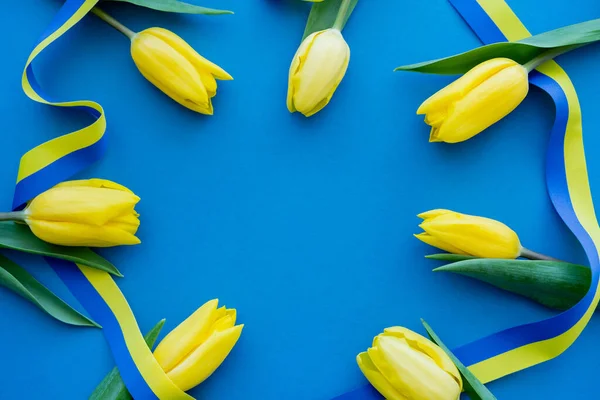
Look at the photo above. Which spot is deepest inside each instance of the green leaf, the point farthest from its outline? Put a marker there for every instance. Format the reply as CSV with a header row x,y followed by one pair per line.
x,y
557,285
323,15
17,279
19,237
449,257
176,6
521,51
472,386
112,386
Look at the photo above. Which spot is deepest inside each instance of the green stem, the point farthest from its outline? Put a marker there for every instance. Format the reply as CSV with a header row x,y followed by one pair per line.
x,y
12,216
113,22
549,55
341,15
532,255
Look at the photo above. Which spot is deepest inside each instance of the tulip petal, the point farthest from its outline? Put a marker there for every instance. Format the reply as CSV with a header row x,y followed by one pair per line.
x,y
485,104
435,118
74,234
83,205
457,89
127,222
183,48
321,72
476,236
225,322
205,359
297,63
425,345
94,182
412,372
186,336
433,213
376,378
433,135
326,100
168,70
209,83
440,244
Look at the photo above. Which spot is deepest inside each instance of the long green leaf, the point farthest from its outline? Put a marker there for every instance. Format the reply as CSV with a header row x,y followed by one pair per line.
x,y
112,386
473,387
322,15
176,6
17,279
449,257
557,285
19,237
521,51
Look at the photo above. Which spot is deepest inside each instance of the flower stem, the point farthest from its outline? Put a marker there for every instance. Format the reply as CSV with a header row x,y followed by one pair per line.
x,y
532,255
549,55
341,15
12,216
113,22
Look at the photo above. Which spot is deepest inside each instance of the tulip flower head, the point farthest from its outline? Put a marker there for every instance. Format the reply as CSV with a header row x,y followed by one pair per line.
x,y
316,71
469,235
94,213
174,67
475,101
192,351
403,365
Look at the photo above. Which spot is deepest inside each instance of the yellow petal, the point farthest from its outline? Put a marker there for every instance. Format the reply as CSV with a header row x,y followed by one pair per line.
x,y
320,71
225,322
411,372
376,379
209,83
485,105
433,138
477,236
205,359
95,182
74,234
186,336
127,222
297,62
435,242
81,204
429,348
168,70
433,213
464,84
187,51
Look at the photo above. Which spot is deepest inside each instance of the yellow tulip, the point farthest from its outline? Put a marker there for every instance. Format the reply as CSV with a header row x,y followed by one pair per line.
x,y
94,212
316,71
174,67
475,101
191,352
403,365
470,235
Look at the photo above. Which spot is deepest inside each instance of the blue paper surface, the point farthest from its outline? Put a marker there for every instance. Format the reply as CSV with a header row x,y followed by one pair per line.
x,y
304,225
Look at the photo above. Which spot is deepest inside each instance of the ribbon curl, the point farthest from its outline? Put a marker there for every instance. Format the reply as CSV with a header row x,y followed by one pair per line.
x,y
56,161
523,346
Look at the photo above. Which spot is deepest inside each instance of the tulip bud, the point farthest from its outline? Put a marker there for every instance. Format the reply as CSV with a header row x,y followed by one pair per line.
x,y
475,101
403,365
174,67
191,352
316,71
469,235
94,213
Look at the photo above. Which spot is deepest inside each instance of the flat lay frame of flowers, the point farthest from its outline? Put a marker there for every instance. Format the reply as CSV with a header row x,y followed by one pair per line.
x,y
65,220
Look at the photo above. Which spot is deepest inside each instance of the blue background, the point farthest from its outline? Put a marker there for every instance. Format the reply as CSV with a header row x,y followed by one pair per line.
x,y
304,225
